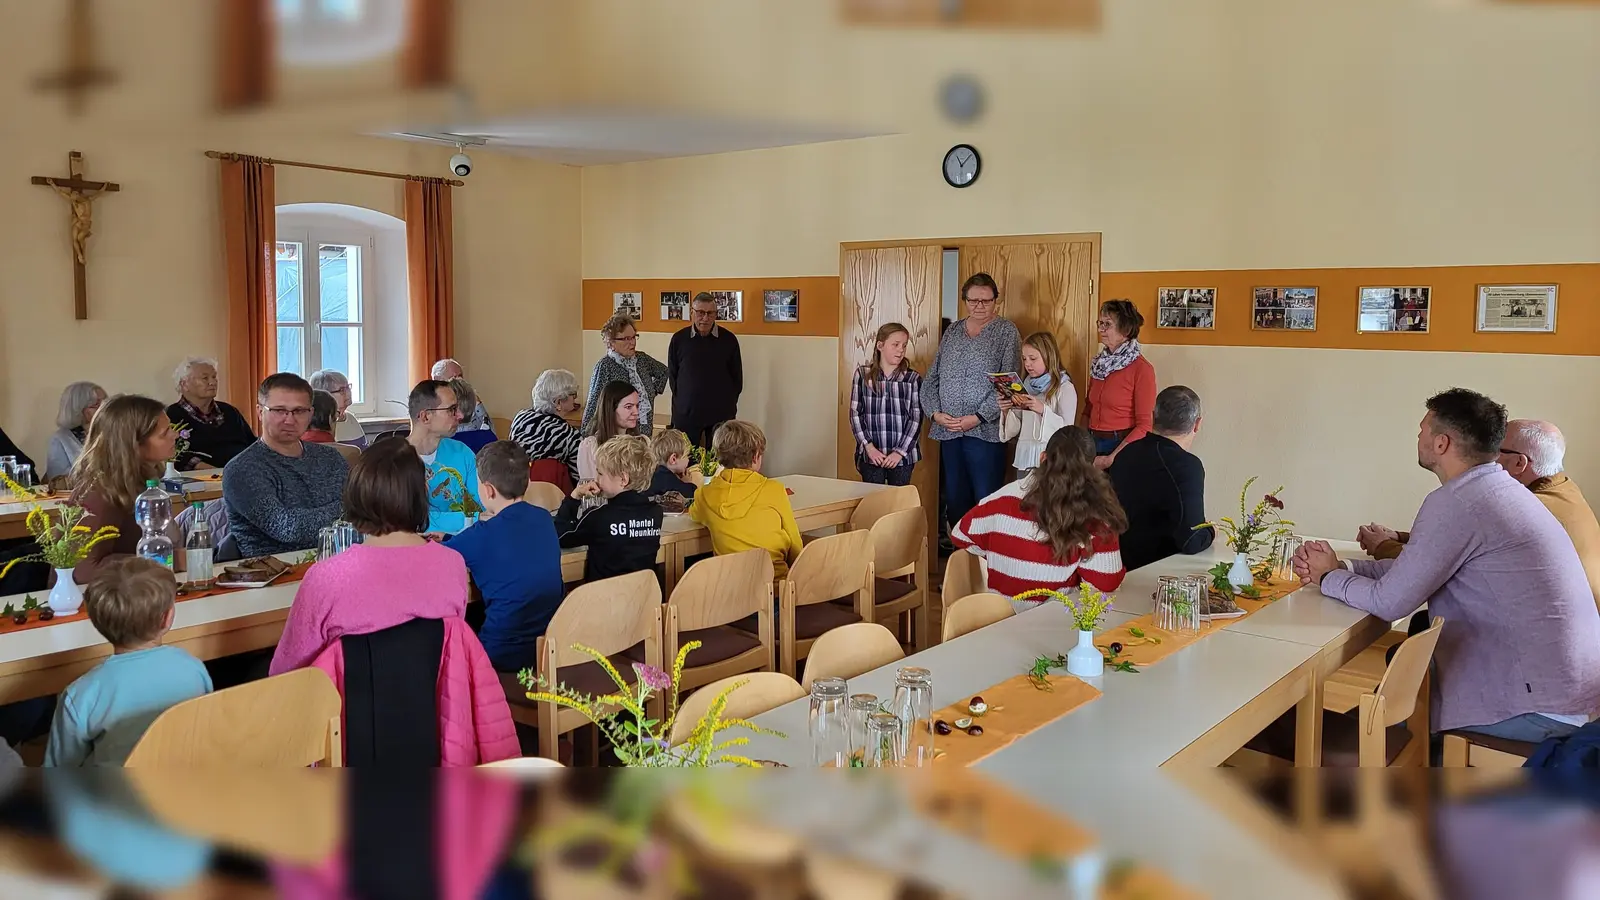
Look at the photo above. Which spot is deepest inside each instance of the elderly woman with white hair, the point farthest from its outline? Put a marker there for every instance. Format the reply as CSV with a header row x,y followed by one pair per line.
x,y
346,430
216,432
542,430
624,362
79,402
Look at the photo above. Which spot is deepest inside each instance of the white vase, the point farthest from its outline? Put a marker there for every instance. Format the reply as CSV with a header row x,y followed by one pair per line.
x,y
66,597
1240,575
1085,660
171,474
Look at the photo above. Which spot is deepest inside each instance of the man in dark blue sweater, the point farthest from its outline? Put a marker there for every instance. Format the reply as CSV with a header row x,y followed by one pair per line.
x,y
705,372
514,558
1162,486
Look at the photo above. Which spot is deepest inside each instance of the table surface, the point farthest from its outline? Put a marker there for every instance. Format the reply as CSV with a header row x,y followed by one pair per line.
x,y
15,510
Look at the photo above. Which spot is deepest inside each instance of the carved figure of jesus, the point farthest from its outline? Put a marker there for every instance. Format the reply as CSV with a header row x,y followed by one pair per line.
x,y
82,217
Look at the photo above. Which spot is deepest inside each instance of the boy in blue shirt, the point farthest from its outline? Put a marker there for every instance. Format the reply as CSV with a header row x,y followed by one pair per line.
x,y
671,450
103,714
514,558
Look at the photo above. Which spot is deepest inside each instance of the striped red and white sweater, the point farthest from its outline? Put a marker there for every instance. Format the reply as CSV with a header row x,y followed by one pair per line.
x,y
1019,555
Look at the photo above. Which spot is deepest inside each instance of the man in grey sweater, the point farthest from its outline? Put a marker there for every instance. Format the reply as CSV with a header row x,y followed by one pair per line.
x,y
281,491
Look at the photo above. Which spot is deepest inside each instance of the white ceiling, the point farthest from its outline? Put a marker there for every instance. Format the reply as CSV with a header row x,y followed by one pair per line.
x,y
597,138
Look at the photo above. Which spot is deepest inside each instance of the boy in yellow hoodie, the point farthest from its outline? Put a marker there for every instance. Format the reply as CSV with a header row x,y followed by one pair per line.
x,y
741,508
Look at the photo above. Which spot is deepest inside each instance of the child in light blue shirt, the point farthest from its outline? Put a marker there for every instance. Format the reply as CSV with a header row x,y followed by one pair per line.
x,y
102,715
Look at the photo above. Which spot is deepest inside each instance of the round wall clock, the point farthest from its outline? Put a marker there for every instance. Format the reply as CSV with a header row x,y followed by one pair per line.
x,y
962,166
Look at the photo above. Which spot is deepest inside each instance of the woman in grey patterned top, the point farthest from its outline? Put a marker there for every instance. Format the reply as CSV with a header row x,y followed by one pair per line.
x,y
964,405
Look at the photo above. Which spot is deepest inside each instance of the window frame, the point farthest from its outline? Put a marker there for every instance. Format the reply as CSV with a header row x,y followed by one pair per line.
x,y
311,240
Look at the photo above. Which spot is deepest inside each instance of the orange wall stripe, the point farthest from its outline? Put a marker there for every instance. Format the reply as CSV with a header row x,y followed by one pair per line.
x,y
1453,319
819,302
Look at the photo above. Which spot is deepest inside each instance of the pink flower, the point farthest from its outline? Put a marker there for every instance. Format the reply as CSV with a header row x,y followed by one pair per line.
x,y
654,678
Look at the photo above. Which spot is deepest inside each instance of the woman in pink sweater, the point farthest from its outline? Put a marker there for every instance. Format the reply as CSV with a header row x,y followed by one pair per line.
x,y
393,576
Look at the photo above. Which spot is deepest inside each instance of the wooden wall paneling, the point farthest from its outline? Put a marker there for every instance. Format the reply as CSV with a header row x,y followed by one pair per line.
x,y
877,286
1046,286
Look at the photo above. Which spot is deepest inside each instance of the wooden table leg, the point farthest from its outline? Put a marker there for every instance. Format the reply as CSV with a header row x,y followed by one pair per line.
x,y
1308,719
674,561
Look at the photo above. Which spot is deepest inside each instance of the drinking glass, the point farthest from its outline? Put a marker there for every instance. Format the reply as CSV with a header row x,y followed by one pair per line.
x,y
1172,593
22,473
913,705
883,741
1283,567
830,723
862,706
8,466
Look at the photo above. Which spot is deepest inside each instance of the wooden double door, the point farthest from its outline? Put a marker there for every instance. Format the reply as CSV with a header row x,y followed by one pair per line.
x,y
1047,283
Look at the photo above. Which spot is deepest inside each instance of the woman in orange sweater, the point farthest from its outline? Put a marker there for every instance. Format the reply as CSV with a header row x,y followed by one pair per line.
x,y
1122,384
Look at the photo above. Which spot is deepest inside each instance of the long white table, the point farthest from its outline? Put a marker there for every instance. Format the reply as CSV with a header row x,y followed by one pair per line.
x,y
13,515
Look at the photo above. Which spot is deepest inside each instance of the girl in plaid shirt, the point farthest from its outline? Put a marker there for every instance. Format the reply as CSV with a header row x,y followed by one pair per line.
x,y
886,410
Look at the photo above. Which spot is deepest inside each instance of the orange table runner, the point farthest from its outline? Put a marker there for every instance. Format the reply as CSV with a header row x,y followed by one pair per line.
x,y
7,625
1016,708
1158,643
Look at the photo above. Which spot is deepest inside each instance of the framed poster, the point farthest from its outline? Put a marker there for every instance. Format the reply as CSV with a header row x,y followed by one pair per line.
x,y
730,305
1186,308
1517,307
781,306
628,303
1284,309
674,306
1401,309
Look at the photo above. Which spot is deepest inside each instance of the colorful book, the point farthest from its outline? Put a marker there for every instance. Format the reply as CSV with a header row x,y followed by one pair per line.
x,y
1006,382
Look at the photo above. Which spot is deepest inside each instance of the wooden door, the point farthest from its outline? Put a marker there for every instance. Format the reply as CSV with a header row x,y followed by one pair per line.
x,y
878,286
1046,284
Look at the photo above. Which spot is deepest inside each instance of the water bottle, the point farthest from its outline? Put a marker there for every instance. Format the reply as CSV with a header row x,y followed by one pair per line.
x,y
197,549
153,511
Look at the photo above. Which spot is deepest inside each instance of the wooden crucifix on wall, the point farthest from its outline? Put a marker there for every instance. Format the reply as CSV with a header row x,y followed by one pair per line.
x,y
81,195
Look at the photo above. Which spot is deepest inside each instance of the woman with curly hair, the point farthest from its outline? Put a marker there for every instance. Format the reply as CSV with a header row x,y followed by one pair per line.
x,y
1054,529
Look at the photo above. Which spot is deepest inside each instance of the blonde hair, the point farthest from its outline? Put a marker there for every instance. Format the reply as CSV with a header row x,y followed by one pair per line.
x,y
128,601
629,455
1045,343
873,370
669,443
737,444
112,461
466,397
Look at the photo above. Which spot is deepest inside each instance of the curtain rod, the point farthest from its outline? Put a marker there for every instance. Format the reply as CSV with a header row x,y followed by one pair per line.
x,y
217,154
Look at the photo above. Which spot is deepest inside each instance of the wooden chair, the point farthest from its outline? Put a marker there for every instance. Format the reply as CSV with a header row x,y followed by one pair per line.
x,y
963,577
502,427
286,720
900,564
350,454
851,650
878,504
611,616
761,692
974,611
829,569
711,596
544,494
1463,749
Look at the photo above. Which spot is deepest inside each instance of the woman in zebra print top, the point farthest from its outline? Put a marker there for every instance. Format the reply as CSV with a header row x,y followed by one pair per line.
x,y
541,430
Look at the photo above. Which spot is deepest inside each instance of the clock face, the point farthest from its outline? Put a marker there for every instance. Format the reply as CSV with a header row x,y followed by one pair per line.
x,y
962,165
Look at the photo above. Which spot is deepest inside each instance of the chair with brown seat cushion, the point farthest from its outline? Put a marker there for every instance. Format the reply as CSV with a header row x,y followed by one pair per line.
x,y
975,611
611,616
963,577
880,503
834,568
711,596
851,650
900,561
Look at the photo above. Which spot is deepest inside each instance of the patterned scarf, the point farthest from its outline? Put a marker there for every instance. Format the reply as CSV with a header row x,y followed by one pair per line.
x,y
1116,360
214,418
631,364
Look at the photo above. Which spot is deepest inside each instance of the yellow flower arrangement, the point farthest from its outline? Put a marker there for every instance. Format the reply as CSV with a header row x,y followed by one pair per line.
x,y
1089,609
63,541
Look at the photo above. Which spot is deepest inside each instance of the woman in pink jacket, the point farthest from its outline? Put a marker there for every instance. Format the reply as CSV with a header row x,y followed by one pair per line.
x,y
393,576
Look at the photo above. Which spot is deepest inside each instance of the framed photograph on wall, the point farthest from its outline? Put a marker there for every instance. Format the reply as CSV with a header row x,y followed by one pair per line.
x,y
674,306
1401,309
730,305
1517,307
1284,309
780,306
1194,308
629,303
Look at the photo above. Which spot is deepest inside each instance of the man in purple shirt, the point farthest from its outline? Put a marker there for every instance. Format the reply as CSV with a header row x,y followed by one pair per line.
x,y
1519,656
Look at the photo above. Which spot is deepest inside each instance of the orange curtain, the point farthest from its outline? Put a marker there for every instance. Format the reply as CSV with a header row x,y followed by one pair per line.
x,y
250,237
430,258
244,53
426,60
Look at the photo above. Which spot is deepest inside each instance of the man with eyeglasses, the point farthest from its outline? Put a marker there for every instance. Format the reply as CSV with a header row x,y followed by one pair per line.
x,y
705,372
281,491
451,466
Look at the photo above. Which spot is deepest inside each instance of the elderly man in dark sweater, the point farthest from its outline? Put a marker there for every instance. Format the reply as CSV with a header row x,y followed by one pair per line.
x,y
281,491
1162,486
705,373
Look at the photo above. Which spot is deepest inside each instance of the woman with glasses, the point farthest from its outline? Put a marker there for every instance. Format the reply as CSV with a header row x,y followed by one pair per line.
x,y
624,362
542,430
216,432
346,430
1122,383
79,402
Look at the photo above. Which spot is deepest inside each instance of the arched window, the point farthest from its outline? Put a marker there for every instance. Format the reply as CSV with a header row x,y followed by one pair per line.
x,y
338,32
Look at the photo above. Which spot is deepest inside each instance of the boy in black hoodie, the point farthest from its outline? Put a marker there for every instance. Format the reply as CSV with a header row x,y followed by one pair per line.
x,y
624,534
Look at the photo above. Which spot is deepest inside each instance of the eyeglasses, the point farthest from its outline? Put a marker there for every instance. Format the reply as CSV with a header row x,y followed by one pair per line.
x,y
632,338
982,302
1508,451
454,407
281,412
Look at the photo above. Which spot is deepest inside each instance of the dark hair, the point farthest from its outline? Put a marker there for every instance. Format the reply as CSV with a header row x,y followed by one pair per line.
x,y
604,427
323,409
285,381
1177,410
980,279
872,372
1072,501
1127,316
1473,420
387,490
504,464
424,396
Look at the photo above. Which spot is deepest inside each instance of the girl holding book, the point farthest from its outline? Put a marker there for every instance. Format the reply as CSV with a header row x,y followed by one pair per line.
x,y
1048,403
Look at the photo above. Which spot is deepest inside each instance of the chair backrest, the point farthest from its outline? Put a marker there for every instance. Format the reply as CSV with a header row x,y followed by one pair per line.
x,y
723,589
760,692
831,567
501,426
552,471
544,494
878,504
286,720
851,650
350,454
609,615
1403,679
898,539
972,612
963,576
